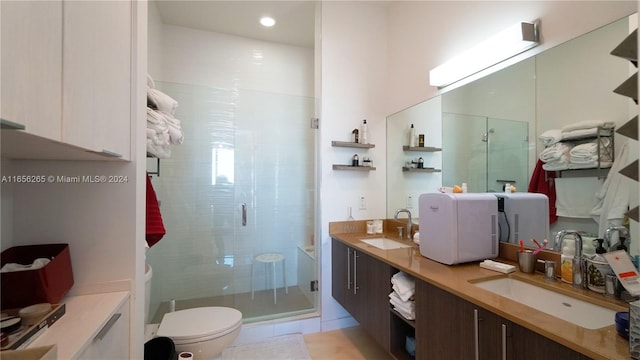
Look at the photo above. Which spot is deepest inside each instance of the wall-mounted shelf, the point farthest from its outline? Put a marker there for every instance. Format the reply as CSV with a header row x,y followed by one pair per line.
x,y
426,170
353,168
606,150
351,144
421,148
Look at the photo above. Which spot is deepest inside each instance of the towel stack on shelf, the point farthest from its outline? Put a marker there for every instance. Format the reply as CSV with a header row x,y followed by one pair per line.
x,y
561,154
163,129
402,295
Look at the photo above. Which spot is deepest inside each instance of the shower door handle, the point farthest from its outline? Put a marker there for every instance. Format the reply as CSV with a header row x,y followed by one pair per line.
x,y
244,214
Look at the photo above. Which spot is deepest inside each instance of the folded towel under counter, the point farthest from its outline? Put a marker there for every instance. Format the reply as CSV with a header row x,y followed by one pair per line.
x,y
402,296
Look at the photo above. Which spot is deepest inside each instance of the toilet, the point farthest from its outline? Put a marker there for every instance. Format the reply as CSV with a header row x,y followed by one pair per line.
x,y
203,331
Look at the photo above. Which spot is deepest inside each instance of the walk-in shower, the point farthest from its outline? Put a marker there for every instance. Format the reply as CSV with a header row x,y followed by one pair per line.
x,y
488,154
241,184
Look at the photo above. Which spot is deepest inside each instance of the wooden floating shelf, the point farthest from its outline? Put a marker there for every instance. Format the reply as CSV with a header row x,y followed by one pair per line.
x,y
353,168
421,148
427,170
352,144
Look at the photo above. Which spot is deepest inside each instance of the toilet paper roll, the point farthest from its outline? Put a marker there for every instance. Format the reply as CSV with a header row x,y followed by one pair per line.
x,y
185,355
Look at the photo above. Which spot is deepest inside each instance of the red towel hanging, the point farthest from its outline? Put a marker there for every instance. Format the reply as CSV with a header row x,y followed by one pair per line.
x,y
543,182
154,228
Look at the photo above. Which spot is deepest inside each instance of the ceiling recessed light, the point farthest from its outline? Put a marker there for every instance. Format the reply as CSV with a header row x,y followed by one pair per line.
x,y
267,21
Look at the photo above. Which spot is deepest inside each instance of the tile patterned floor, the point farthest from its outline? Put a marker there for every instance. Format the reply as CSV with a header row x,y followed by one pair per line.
x,y
344,344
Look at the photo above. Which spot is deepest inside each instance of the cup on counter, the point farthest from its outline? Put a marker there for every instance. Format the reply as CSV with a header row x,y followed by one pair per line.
x,y
370,227
527,261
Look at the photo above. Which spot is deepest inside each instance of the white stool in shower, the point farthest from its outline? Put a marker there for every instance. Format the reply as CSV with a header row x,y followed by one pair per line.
x,y
266,259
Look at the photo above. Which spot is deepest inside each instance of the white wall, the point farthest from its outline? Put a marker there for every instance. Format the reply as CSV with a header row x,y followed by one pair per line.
x,y
424,34
354,87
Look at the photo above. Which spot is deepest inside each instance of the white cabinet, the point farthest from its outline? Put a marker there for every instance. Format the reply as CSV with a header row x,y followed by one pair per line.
x,y
31,72
96,80
112,341
66,74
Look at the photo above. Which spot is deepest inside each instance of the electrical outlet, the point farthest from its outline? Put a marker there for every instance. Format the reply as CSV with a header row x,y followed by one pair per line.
x,y
409,202
363,203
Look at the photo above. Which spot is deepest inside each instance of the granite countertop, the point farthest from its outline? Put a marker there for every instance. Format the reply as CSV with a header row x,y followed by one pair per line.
x,y
603,343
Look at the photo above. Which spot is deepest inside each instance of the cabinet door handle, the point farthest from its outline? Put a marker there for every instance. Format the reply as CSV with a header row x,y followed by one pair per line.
x,y
10,125
244,214
105,329
476,333
348,269
504,342
107,153
355,272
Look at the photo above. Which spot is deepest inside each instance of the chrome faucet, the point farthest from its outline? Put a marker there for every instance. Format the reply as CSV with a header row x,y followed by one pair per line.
x,y
577,263
623,233
409,223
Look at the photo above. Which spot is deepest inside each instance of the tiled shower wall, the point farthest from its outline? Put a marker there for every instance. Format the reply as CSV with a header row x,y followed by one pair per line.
x,y
238,105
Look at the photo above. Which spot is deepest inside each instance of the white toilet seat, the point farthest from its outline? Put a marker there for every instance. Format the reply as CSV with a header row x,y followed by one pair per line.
x,y
199,324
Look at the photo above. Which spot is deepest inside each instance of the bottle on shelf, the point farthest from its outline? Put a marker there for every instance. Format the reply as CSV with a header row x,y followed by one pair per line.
x,y
355,160
412,136
364,134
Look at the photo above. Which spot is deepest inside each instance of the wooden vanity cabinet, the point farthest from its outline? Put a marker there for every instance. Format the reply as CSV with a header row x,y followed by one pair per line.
x,y
361,284
449,327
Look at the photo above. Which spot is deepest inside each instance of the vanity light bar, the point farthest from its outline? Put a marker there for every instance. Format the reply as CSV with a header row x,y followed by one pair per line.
x,y
509,42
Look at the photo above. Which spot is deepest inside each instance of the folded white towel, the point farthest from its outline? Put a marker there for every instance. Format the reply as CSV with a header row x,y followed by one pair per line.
x,y
175,129
38,263
587,124
403,285
165,102
555,152
579,134
406,308
560,164
550,137
589,148
159,151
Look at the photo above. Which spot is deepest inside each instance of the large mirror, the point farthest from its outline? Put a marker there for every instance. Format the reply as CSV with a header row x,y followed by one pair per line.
x,y
490,127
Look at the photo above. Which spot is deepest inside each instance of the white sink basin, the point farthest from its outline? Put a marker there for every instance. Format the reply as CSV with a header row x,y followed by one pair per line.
x,y
575,311
384,243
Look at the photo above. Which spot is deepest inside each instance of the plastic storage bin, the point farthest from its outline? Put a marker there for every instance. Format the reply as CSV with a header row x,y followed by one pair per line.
x,y
48,284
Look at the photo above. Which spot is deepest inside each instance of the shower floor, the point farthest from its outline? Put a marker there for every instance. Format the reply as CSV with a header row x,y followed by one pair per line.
x,y
260,309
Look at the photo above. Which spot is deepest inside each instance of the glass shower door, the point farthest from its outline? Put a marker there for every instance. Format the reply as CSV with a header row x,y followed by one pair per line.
x,y
241,184
486,153
507,151
464,151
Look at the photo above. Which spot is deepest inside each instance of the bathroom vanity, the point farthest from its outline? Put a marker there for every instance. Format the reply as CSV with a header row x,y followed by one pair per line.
x,y
455,319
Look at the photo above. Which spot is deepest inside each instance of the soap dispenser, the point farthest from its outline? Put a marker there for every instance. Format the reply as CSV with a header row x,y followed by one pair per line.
x,y
597,269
